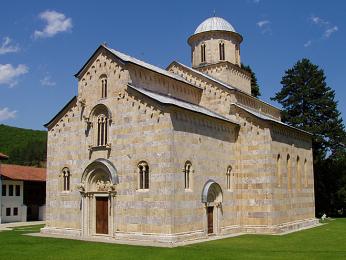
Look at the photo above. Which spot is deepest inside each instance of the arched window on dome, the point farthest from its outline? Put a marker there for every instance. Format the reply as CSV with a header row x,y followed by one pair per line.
x,y
237,54
104,86
203,52
222,50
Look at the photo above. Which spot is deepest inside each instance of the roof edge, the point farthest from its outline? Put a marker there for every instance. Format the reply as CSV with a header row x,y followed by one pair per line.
x,y
221,118
232,88
273,120
74,99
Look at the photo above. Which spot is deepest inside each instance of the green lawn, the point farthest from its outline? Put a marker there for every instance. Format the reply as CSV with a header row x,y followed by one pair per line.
x,y
324,242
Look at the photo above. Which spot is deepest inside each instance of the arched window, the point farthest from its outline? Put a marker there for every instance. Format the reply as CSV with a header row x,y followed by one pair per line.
x,y
278,170
103,80
228,178
187,174
288,163
203,52
101,119
143,172
66,179
222,50
298,175
102,130
305,174
237,54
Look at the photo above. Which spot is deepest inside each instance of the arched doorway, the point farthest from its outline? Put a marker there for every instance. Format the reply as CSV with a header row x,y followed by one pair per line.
x,y
98,190
212,199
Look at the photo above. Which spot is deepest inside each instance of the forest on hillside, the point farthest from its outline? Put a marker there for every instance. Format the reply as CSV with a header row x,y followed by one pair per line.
x,y
23,146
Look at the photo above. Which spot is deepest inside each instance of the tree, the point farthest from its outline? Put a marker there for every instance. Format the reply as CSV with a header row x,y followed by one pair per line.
x,y
309,104
255,88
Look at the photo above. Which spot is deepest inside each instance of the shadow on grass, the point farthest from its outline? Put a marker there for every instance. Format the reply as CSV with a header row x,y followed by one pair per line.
x,y
326,241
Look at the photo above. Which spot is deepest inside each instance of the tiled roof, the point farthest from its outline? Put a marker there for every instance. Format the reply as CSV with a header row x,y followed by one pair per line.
x,y
180,103
207,76
23,173
138,62
3,156
267,118
128,59
225,85
72,102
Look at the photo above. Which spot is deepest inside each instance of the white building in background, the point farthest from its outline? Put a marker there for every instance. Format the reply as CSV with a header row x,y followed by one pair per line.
x,y
12,207
22,193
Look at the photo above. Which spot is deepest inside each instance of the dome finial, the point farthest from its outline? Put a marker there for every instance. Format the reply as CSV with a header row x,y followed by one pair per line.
x,y
214,13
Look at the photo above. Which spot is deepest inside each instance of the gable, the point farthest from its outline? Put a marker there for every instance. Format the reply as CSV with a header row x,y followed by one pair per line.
x,y
72,103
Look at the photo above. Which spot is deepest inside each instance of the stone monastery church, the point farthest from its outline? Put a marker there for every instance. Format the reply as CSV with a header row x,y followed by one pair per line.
x,y
170,155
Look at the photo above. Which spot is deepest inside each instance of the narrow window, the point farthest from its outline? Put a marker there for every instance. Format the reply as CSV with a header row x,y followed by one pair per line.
x,y
187,175
15,211
10,190
228,178
104,86
17,190
8,211
222,50
298,175
66,179
237,54
98,132
143,171
102,130
288,163
305,174
3,190
278,170
203,53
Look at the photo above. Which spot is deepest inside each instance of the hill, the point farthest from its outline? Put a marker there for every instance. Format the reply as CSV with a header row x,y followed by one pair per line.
x,y
23,146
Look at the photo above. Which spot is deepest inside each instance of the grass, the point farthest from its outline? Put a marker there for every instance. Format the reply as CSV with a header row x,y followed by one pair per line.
x,y
323,242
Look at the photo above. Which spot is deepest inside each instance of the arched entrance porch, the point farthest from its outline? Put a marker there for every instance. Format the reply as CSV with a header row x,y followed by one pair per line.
x,y
98,190
212,199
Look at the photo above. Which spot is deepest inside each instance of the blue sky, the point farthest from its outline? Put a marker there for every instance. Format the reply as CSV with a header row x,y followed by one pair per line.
x,y
43,43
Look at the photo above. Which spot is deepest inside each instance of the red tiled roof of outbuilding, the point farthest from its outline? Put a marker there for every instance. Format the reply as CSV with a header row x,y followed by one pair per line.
x,y
23,173
3,156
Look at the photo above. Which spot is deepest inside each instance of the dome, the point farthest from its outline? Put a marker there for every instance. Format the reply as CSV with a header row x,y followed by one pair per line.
x,y
215,24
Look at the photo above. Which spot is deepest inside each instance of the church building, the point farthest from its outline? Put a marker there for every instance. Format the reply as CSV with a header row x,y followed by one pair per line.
x,y
169,155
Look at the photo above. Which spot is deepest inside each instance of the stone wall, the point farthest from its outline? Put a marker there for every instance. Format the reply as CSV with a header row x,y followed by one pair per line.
x,y
210,147
211,41
165,137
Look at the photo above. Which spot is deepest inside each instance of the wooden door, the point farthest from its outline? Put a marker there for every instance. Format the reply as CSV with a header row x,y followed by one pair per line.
x,y
102,215
210,219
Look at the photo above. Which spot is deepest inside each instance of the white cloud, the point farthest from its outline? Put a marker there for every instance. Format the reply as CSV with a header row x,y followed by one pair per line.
x,y
9,74
308,43
5,114
328,28
6,46
264,25
260,24
56,22
46,81
327,33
